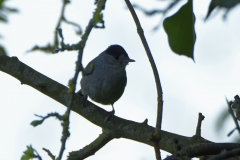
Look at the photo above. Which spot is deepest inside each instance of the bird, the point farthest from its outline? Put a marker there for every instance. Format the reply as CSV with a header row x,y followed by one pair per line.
x,y
104,78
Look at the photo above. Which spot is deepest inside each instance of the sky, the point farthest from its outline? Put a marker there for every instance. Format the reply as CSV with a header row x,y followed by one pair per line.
x,y
188,87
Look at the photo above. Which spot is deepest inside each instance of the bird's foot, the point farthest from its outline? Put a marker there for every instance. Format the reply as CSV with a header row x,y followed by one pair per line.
x,y
110,115
84,97
84,100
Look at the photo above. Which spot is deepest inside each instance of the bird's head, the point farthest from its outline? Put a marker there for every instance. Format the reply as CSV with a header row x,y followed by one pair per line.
x,y
116,55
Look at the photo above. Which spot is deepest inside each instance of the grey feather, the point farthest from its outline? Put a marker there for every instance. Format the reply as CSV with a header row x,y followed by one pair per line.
x,y
104,78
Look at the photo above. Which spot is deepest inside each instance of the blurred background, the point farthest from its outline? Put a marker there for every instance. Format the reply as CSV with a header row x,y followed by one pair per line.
x,y
188,87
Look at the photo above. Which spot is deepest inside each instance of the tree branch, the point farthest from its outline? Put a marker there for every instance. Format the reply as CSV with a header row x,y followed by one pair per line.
x,y
197,150
198,129
140,132
226,154
93,147
230,110
156,136
73,81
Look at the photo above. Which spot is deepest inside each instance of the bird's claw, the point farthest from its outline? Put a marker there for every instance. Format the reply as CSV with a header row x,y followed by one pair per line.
x,y
110,115
84,100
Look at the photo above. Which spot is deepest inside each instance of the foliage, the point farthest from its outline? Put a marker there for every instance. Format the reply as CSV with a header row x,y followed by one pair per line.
x,y
180,30
30,153
4,11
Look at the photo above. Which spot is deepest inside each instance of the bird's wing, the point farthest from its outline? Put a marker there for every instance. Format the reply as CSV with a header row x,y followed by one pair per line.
x,y
88,69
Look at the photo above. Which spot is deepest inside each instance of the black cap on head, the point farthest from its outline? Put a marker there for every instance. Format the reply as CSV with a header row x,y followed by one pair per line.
x,y
116,51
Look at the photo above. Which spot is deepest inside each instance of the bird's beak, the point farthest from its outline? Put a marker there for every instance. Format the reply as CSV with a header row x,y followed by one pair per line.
x,y
129,60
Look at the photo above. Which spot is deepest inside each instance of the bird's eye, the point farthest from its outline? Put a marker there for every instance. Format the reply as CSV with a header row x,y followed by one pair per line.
x,y
115,57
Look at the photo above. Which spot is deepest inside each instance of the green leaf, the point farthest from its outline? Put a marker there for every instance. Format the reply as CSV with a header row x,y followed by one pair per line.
x,y
13,10
36,122
228,4
47,49
28,154
2,50
3,18
180,30
1,3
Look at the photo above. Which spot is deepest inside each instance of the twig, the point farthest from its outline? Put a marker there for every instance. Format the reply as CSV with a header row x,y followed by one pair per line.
x,y
38,122
233,116
52,47
65,2
63,19
198,129
49,153
91,149
157,11
157,80
79,31
226,154
71,91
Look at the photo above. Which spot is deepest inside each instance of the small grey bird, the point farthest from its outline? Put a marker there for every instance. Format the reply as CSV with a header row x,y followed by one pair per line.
x,y
104,78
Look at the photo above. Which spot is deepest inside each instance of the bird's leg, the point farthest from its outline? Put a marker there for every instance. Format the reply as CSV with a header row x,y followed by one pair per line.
x,y
113,110
84,97
84,100
111,114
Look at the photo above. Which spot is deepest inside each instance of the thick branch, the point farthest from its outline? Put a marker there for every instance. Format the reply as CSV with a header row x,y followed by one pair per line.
x,y
197,150
228,154
140,132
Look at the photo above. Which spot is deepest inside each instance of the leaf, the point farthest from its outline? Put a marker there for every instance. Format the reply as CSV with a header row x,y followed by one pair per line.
x,y
28,154
1,2
47,49
221,119
180,30
3,18
2,50
12,10
36,123
228,4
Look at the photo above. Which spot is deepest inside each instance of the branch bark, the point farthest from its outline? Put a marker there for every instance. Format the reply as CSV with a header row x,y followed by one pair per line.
x,y
140,132
156,137
90,149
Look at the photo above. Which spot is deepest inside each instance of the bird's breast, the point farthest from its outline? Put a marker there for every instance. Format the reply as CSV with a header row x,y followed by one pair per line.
x,y
105,85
